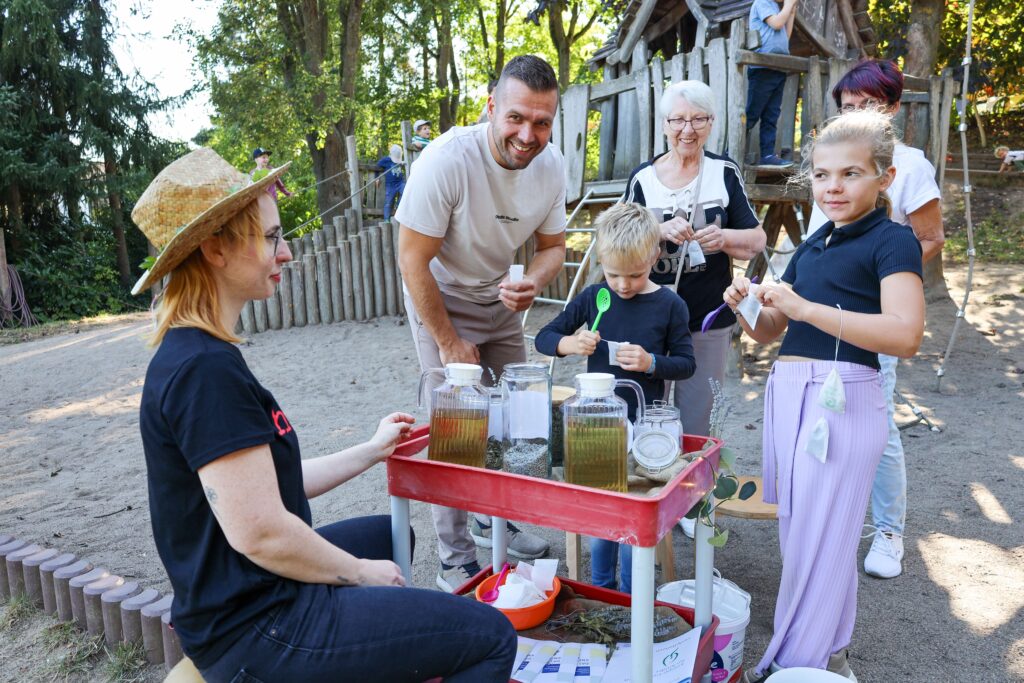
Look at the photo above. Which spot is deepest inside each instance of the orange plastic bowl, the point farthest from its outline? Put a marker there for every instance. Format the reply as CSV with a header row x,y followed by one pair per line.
x,y
524,617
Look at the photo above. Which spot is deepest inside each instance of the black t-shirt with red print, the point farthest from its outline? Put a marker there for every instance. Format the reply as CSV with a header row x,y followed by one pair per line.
x,y
201,402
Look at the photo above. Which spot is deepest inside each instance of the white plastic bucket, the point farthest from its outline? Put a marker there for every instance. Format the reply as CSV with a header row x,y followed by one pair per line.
x,y
805,675
731,604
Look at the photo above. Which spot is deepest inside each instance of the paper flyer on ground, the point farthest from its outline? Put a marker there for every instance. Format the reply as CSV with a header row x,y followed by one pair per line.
x,y
591,664
673,660
534,662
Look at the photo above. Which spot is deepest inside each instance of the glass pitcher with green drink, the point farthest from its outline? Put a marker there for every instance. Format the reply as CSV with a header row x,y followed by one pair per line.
x,y
458,415
596,427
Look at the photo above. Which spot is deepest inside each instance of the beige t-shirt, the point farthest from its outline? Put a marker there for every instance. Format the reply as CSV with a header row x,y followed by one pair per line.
x,y
484,212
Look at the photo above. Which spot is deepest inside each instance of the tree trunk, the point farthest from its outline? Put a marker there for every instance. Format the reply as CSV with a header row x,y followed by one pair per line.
x,y
448,105
117,218
560,40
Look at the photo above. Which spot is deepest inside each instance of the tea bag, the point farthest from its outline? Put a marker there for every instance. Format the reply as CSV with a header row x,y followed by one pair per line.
x,y
694,255
750,307
613,350
832,397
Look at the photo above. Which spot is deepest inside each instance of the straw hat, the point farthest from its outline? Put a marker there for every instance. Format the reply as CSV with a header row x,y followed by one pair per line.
x,y
187,202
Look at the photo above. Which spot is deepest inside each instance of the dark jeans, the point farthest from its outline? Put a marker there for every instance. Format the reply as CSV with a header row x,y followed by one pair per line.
x,y
764,103
390,192
387,634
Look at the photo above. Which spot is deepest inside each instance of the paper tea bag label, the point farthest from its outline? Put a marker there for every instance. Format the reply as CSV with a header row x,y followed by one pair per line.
x,y
529,415
833,395
694,255
750,307
613,350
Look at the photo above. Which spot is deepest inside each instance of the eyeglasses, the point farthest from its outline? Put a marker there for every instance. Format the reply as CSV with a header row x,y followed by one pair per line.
x,y
274,240
870,103
697,123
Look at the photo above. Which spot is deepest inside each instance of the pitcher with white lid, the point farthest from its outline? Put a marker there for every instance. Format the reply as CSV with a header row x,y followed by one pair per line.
x,y
458,415
596,424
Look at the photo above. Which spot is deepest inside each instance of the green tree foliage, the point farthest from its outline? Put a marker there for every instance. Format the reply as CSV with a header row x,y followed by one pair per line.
x,y
75,150
997,39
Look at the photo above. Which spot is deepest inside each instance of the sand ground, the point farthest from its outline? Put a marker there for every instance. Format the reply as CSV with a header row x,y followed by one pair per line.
x,y
73,475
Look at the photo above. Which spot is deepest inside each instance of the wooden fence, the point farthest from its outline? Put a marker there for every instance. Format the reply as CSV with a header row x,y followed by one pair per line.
x,y
343,271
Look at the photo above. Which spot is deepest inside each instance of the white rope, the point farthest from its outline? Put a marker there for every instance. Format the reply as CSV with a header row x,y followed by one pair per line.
x,y
319,182
328,210
961,109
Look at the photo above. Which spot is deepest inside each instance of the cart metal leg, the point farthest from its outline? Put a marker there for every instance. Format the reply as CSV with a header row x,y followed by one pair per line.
x,y
703,572
401,541
642,613
499,543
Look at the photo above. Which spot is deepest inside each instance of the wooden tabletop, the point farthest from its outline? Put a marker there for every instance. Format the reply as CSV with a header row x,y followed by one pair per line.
x,y
751,508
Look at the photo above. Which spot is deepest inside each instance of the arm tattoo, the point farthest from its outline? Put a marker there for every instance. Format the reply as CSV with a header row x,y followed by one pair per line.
x,y
211,496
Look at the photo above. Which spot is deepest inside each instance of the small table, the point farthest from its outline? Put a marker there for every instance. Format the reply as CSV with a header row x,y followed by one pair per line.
x,y
751,508
640,521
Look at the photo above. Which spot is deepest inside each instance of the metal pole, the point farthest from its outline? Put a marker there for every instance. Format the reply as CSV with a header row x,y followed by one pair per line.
x,y
401,542
499,543
642,614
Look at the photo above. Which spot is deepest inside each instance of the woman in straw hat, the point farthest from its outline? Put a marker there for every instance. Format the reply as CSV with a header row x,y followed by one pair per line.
x,y
259,594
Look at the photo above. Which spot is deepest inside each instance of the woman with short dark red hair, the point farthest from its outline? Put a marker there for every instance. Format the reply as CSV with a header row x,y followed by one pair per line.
x,y
914,197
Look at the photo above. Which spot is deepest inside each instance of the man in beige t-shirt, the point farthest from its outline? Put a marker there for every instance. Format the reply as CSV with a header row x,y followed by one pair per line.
x,y
474,196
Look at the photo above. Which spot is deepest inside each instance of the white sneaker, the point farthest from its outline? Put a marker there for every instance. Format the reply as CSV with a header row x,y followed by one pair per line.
x,y
688,526
885,559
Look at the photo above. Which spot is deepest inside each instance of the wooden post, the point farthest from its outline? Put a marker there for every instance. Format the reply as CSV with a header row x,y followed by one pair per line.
x,y
358,281
331,233
814,103
378,265
736,119
677,67
365,257
274,307
323,287
574,124
387,244
948,86
340,230
248,318
110,610
718,74
334,268
354,179
658,89
345,270
319,241
152,628
400,293
308,249
606,158
62,587
695,64
131,614
837,68
351,223
46,579
296,248
309,276
643,100
287,311
259,310
299,295
786,138
935,134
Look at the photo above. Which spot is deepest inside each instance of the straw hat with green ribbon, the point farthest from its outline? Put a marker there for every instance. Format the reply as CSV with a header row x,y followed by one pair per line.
x,y
189,201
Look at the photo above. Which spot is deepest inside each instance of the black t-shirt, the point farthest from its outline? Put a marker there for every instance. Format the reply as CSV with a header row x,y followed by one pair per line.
x,y
724,199
201,402
847,271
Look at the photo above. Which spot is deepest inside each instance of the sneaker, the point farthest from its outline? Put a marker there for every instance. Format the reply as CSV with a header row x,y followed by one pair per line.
x,y
521,544
451,577
689,526
750,676
839,663
772,160
885,559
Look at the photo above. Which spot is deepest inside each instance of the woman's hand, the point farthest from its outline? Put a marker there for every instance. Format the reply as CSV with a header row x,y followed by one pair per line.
x,y
379,573
781,296
632,357
736,292
389,433
711,239
676,230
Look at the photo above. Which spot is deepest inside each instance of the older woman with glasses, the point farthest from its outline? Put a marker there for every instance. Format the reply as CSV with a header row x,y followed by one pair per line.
x,y
706,220
259,593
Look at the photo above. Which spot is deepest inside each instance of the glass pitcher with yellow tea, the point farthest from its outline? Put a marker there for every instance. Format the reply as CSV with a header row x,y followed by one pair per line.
x,y
458,415
596,428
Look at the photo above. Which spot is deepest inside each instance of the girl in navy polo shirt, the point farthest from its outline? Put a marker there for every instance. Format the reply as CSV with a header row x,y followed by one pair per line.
x,y
852,290
259,593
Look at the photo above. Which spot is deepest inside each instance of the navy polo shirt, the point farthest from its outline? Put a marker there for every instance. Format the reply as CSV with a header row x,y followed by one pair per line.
x,y
200,402
847,271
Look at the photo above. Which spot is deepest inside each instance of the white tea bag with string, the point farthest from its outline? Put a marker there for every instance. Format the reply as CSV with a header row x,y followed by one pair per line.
x,y
832,398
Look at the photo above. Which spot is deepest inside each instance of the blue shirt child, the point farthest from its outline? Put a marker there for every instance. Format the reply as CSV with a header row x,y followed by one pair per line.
x,y
773,40
394,177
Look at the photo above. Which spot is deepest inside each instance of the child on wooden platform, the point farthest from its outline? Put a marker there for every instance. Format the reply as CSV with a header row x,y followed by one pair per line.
x,y
644,336
1012,160
851,291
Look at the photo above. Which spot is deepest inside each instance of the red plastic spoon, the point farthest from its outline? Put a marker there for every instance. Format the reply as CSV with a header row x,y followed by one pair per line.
x,y
492,594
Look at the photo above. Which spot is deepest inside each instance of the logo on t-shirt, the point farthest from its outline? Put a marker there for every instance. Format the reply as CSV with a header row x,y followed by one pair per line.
x,y
506,219
281,422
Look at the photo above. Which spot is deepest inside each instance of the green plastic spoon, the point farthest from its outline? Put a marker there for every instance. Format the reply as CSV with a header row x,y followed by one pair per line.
x,y
604,302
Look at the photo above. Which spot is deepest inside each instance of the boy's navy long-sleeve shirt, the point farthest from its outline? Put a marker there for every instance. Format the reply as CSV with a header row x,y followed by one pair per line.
x,y
658,322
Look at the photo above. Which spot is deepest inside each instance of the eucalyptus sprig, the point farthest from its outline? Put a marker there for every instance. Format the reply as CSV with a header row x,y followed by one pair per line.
x,y
727,484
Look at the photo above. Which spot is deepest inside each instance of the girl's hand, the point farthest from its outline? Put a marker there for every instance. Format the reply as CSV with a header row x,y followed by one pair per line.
x,y
632,357
379,573
782,297
390,432
736,292
711,239
586,342
676,230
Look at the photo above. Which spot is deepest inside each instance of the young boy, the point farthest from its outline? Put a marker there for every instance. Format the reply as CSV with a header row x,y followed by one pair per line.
x,y
394,181
1011,159
649,322
421,134
262,158
774,22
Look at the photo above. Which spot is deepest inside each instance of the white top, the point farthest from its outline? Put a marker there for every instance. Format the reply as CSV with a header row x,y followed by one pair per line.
x,y
483,211
913,187
463,374
596,384
1014,155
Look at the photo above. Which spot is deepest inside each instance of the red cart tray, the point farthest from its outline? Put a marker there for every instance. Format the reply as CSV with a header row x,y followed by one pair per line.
x,y
622,517
705,650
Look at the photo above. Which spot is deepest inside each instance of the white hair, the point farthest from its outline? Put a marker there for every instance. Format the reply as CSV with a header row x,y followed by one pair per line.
x,y
696,93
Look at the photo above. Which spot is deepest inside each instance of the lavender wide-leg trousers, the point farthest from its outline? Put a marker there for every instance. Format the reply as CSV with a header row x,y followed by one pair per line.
x,y
821,505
